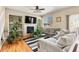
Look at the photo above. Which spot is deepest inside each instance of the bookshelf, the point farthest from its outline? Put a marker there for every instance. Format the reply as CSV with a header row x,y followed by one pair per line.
x,y
16,19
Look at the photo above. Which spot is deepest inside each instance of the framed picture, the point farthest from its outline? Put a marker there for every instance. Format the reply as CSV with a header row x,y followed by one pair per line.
x,y
58,19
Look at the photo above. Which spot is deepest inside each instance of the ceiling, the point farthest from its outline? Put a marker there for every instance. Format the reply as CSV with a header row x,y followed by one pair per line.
x,y
28,9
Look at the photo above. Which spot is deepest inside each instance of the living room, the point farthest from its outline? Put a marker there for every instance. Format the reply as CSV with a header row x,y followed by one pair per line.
x,y
43,25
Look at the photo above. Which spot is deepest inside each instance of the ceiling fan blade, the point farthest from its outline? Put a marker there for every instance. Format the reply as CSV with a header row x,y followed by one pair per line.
x,y
42,9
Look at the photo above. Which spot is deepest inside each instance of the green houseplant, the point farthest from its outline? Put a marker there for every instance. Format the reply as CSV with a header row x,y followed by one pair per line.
x,y
37,33
13,33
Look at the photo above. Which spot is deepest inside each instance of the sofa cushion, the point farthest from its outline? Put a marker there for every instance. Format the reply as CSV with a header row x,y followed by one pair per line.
x,y
66,40
62,32
48,46
51,39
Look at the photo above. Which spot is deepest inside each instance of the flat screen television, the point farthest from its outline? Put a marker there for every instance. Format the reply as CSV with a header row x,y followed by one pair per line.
x,y
29,19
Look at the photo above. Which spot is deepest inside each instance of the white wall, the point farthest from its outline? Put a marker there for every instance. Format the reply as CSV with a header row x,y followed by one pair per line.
x,y
2,22
62,14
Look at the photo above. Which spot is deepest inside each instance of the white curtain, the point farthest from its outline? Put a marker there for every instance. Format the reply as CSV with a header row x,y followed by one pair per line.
x,y
73,22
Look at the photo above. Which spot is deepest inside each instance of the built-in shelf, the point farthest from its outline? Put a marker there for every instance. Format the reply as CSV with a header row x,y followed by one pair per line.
x,y
16,19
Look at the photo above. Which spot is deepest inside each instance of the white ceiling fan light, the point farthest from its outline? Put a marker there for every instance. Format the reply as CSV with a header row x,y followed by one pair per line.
x,y
37,11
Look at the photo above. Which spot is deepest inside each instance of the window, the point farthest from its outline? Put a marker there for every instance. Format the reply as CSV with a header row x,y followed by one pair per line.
x,y
48,20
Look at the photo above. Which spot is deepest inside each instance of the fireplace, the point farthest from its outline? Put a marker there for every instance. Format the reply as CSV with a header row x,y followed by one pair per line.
x,y
30,29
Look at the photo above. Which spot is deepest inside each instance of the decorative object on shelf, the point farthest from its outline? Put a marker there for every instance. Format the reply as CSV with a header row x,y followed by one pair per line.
x,y
58,19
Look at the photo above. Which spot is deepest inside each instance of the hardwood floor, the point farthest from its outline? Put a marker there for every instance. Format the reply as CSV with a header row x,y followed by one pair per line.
x,y
18,46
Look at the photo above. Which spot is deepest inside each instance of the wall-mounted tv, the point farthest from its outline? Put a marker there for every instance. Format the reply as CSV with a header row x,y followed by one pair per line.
x,y
29,19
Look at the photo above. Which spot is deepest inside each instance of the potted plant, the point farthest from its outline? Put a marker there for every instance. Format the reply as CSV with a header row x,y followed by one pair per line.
x,y
13,34
37,33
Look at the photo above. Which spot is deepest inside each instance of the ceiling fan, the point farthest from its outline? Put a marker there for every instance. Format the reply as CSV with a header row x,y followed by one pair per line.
x,y
37,9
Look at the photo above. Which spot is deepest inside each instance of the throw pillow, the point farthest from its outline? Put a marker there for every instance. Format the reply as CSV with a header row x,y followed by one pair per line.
x,y
66,40
60,33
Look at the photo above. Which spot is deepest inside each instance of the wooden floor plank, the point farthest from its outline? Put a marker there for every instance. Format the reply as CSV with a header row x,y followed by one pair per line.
x,y
18,46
